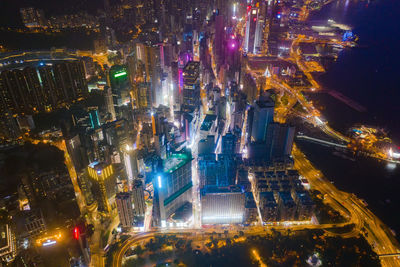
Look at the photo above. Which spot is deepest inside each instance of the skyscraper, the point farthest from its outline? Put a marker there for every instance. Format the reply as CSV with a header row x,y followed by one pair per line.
x,y
172,186
191,86
109,103
279,140
228,144
263,115
124,207
219,40
120,86
103,184
138,197
254,28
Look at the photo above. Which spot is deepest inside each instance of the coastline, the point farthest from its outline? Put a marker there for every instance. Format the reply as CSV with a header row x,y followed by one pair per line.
x,y
371,180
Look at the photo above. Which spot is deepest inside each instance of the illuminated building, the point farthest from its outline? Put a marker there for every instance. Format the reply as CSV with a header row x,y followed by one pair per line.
x,y
209,125
130,162
149,57
268,206
9,129
55,186
33,222
49,239
222,205
219,40
207,146
8,249
305,205
70,21
109,103
208,169
286,206
33,18
125,211
76,151
103,184
228,144
138,197
172,186
253,36
41,85
100,45
251,213
70,78
263,115
116,133
279,140
120,86
191,86
227,169
143,95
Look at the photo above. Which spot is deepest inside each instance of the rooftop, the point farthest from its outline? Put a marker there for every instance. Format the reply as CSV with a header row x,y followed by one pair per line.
x,y
221,190
208,121
286,198
192,68
175,161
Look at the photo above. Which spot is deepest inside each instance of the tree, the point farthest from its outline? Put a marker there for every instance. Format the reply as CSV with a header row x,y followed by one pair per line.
x,y
138,250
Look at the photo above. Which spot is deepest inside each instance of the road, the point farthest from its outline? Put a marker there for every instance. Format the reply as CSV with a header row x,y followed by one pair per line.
x,y
205,234
378,235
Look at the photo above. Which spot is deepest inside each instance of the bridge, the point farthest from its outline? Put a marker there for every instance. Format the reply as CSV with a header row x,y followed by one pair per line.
x,y
389,255
320,141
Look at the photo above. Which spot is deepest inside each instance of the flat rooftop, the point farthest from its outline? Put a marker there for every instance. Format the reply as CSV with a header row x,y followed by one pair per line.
x,y
175,161
221,190
208,121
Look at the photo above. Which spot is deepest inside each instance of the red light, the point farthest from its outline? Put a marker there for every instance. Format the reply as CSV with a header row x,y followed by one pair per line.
x,y
76,233
255,19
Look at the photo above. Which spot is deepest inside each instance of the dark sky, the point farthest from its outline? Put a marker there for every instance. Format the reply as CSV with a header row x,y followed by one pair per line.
x,y
10,16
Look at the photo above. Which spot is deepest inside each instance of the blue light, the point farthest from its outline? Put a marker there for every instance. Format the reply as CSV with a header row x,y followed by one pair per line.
x,y
278,16
159,181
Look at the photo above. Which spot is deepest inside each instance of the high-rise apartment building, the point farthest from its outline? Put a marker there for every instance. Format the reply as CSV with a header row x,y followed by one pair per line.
x,y
40,87
33,18
124,207
138,197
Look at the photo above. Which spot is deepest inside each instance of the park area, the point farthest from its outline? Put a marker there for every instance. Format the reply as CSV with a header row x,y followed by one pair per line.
x,y
300,248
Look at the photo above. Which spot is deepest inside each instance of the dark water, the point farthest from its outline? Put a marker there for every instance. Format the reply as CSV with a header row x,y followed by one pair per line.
x,y
370,75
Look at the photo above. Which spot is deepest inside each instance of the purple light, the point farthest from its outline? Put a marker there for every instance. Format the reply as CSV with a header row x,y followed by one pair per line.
x,y
233,45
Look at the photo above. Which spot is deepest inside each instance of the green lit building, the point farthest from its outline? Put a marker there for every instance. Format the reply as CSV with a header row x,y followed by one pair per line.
x,y
120,87
172,186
